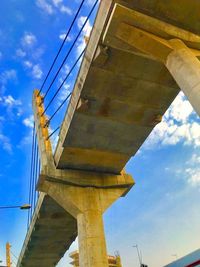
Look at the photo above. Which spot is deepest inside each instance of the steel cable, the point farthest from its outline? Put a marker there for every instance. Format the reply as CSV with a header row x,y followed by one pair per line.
x,y
73,44
30,182
66,36
66,77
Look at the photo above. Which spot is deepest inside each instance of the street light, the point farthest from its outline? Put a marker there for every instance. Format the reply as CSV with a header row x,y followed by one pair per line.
x,y
23,207
139,254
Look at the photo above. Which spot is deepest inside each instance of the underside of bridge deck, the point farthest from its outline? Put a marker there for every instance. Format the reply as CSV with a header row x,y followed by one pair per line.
x,y
123,88
50,234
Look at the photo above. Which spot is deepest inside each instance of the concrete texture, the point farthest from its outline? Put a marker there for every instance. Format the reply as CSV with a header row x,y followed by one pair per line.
x,y
107,123
122,91
50,234
87,205
185,68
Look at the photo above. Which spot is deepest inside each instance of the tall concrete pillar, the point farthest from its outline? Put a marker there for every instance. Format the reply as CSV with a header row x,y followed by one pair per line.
x,y
185,69
91,237
87,204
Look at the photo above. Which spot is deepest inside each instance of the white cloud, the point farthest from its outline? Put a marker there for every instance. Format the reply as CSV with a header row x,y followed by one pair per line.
x,y
50,6
64,93
180,110
37,72
65,9
37,53
176,126
28,122
5,143
192,171
12,105
57,2
28,39
10,101
195,159
20,53
8,75
45,6
87,28
85,33
194,178
28,64
62,37
5,77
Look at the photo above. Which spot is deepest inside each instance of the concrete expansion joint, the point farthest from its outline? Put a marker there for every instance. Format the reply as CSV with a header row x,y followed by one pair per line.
x,y
84,179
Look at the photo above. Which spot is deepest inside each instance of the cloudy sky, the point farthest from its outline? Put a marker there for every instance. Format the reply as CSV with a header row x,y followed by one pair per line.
x,y
161,212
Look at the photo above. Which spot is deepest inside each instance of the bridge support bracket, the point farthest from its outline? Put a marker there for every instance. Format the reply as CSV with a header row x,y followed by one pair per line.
x,y
178,49
86,195
181,60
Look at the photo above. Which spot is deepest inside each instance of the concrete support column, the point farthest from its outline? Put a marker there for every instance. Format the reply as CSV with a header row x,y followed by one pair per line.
x,y
87,204
185,69
91,238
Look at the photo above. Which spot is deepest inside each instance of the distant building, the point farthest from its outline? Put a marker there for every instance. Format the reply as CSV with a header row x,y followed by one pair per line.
x,y
113,261
190,260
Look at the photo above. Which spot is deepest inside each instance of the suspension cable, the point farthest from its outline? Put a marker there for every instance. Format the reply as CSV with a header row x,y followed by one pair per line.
x,y
66,36
77,60
52,116
35,178
33,174
53,132
73,44
30,182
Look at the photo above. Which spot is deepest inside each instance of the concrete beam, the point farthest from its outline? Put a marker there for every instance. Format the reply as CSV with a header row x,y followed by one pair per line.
x,y
185,68
180,59
86,195
87,205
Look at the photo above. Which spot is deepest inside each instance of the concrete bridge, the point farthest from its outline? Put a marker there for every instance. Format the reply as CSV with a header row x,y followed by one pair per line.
x,y
139,55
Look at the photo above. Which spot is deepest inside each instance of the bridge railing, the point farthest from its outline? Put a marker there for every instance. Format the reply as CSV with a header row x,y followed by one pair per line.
x,y
56,89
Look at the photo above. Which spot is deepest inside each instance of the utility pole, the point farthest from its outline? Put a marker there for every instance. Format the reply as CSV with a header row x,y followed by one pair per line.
x,y
8,258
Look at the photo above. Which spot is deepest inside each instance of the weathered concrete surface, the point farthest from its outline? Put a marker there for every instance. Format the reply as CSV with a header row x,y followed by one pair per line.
x,y
113,109
86,195
185,68
87,205
118,98
50,234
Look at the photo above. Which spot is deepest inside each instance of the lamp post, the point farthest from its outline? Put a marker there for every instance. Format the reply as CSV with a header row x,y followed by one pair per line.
x,y
22,207
139,254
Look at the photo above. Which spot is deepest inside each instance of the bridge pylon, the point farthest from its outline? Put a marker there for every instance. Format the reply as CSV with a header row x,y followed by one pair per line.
x,y
84,194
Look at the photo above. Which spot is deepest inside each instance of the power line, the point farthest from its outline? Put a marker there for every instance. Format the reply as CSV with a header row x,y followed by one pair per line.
x,y
66,36
73,44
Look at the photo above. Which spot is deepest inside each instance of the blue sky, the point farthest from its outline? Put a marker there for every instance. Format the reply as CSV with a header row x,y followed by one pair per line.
x,y
161,212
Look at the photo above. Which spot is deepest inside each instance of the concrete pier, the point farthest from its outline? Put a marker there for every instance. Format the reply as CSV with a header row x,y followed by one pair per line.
x,y
185,68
